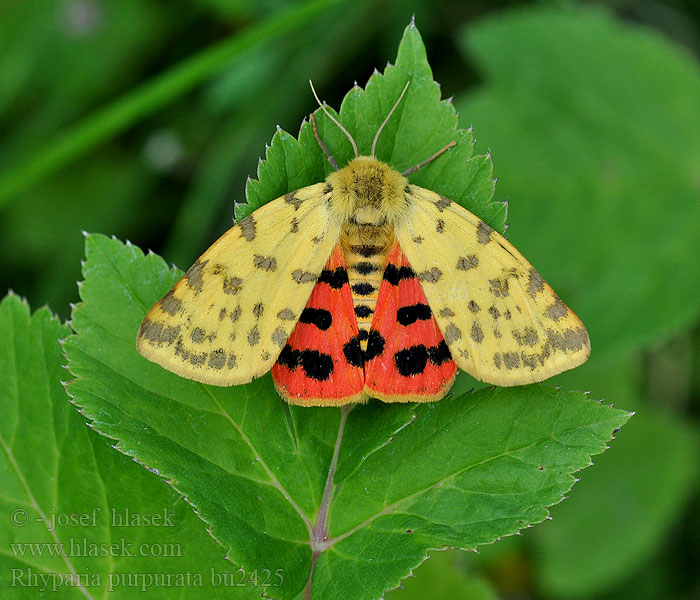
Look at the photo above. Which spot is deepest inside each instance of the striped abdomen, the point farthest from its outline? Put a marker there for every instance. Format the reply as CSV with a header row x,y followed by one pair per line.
x,y
365,253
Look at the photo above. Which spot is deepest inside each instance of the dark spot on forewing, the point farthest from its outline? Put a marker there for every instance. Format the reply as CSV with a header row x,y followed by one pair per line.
x,y
194,276
198,359
153,331
569,340
526,337
254,336
511,360
499,287
529,360
265,263
170,304
232,285
535,283
248,226
452,333
476,333
443,203
440,226
557,310
258,310
286,314
279,337
465,263
197,335
294,226
432,275
292,199
483,233
473,306
301,276
217,359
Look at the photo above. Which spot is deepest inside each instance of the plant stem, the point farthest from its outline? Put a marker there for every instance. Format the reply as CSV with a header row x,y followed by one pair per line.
x,y
320,532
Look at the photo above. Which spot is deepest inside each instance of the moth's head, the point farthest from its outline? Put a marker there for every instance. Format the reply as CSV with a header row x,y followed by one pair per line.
x,y
367,192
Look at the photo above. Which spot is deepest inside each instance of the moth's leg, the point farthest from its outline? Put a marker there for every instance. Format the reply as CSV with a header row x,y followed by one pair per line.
x,y
414,168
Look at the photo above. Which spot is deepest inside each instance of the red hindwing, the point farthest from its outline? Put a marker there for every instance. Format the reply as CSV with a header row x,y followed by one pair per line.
x,y
407,359
313,366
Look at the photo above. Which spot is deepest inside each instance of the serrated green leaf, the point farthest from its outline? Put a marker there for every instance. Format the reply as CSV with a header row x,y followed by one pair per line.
x,y
444,575
421,125
466,471
596,131
624,505
74,512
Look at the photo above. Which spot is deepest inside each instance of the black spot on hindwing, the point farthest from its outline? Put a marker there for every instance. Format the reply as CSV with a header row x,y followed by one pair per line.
x,y
319,317
375,345
411,361
336,278
316,365
394,275
353,352
407,315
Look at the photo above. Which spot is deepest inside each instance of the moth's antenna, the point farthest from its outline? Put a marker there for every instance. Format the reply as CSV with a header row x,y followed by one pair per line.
x,y
332,118
391,112
329,156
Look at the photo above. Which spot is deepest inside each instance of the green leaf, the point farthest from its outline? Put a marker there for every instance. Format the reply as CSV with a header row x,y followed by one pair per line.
x,y
624,505
595,128
461,472
421,125
444,576
74,512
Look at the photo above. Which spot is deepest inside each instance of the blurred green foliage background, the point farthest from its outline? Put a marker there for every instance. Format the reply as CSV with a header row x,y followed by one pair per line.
x,y
144,119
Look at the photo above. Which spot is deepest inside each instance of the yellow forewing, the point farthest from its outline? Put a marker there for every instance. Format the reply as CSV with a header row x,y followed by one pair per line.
x,y
228,318
502,322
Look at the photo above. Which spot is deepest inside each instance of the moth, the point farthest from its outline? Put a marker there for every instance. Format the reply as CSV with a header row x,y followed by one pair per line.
x,y
362,286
